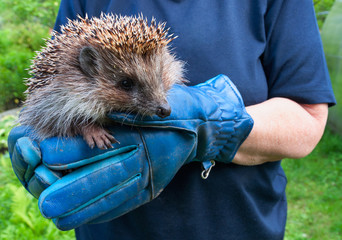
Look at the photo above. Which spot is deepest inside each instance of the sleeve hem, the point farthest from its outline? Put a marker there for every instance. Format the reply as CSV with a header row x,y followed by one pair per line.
x,y
307,97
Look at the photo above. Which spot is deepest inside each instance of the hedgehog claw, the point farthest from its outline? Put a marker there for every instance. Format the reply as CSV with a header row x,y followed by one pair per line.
x,y
97,136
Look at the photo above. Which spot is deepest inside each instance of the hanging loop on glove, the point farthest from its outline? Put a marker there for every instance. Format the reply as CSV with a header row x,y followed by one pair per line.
x,y
207,166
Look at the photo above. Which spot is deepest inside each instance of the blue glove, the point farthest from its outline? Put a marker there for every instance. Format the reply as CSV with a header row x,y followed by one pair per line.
x,y
208,122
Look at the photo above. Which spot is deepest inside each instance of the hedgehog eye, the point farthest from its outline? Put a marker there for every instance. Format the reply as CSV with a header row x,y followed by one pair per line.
x,y
126,84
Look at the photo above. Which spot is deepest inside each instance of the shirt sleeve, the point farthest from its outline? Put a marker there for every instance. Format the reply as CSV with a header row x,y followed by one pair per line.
x,y
68,9
293,60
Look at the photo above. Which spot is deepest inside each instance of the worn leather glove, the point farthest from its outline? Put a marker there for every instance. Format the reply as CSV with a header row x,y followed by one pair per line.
x,y
208,122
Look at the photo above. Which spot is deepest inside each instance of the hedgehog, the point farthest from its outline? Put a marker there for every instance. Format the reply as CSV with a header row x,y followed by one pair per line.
x,y
95,66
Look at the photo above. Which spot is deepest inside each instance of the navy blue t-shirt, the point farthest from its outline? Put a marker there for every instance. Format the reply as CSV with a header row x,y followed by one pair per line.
x,y
268,49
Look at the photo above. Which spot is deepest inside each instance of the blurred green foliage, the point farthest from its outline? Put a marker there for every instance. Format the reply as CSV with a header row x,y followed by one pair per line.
x,y
28,11
322,8
332,43
23,25
6,124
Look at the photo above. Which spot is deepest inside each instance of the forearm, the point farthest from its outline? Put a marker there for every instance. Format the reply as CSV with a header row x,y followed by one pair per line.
x,y
282,129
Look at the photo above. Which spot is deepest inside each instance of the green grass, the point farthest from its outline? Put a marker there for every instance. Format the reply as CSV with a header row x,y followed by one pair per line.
x,y
314,192
314,197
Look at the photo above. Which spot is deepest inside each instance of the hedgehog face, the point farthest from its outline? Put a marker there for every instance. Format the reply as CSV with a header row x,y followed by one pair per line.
x,y
138,83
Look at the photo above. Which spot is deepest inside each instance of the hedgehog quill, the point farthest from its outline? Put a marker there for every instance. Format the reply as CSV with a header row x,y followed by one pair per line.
x,y
96,66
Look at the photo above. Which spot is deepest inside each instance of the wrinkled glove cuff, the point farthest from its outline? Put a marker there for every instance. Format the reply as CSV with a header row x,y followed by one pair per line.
x,y
230,124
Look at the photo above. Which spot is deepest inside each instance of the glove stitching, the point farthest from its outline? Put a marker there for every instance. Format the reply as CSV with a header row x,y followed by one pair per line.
x,y
149,163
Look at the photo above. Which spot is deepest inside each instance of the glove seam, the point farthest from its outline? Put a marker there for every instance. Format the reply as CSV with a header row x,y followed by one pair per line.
x,y
149,163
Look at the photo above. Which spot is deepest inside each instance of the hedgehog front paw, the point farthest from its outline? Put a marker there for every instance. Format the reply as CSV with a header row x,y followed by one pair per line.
x,y
95,135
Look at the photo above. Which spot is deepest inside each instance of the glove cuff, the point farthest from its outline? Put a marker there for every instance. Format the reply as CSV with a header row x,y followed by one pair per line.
x,y
220,138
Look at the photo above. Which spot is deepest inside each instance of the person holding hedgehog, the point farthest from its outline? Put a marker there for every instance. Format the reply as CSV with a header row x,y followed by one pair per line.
x,y
271,51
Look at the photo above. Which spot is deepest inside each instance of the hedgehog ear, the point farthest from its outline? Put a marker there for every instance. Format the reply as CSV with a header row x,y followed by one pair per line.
x,y
89,61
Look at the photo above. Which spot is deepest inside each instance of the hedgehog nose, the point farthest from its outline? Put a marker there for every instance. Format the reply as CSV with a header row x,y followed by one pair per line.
x,y
164,111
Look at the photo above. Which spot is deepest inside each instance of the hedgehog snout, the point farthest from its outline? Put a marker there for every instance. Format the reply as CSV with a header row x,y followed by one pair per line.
x,y
163,110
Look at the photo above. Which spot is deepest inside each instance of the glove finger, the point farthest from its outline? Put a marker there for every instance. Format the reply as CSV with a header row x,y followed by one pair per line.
x,y
89,184
108,207
43,178
15,134
69,153
25,158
